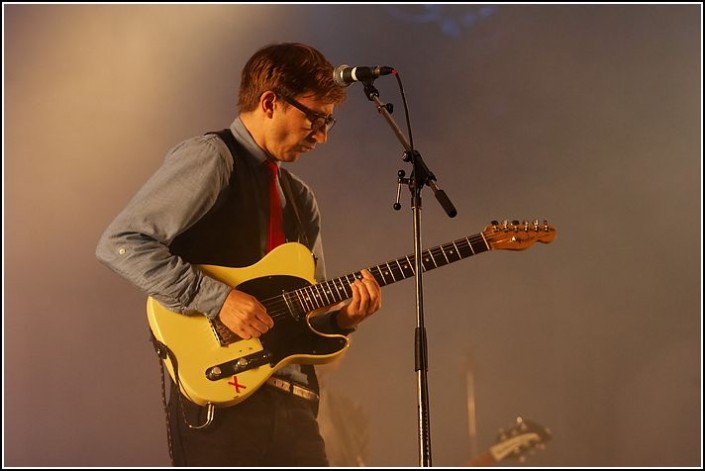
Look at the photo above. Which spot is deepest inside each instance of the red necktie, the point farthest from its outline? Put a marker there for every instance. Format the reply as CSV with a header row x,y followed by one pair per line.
x,y
275,235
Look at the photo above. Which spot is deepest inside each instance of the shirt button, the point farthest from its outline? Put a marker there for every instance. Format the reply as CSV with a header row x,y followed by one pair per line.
x,y
122,251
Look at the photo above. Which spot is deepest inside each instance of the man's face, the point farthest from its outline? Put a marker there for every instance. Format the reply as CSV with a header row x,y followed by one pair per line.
x,y
291,133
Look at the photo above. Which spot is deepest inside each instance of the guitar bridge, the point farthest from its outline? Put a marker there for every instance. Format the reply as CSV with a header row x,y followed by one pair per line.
x,y
233,367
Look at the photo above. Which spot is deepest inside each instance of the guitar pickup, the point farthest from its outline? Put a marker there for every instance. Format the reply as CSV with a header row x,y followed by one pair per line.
x,y
233,367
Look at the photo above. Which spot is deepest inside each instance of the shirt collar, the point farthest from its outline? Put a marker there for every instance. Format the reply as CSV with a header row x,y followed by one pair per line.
x,y
255,153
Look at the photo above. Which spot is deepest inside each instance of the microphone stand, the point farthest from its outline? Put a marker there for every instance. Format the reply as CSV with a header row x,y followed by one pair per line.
x,y
420,176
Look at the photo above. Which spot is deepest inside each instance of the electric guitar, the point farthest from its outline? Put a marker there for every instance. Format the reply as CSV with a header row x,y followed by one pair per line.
x,y
215,367
514,443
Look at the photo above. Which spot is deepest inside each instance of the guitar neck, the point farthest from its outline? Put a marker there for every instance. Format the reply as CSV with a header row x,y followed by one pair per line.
x,y
330,292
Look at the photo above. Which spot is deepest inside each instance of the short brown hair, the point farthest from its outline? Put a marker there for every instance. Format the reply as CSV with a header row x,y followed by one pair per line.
x,y
290,68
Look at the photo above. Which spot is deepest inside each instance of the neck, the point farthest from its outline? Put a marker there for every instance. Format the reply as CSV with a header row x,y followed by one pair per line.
x,y
254,126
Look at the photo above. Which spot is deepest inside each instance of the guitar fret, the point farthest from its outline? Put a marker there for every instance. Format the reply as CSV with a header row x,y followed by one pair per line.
x,y
402,273
470,245
436,257
315,297
323,297
349,283
452,253
426,258
480,245
409,268
381,273
340,288
487,246
346,294
291,307
324,288
299,304
401,270
410,263
335,285
309,298
330,293
391,272
298,300
345,284
377,275
354,278
301,300
444,254
462,246
320,296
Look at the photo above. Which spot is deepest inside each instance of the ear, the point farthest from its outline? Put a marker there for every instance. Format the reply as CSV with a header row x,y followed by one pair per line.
x,y
267,103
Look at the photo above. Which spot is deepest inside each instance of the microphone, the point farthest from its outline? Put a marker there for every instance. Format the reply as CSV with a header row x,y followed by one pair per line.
x,y
344,75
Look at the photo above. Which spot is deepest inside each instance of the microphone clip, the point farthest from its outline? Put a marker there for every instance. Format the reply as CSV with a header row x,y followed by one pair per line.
x,y
387,106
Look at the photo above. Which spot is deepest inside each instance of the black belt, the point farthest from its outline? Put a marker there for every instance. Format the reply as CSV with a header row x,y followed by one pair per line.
x,y
292,388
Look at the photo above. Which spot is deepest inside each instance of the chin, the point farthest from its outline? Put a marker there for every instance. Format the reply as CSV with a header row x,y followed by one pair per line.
x,y
293,157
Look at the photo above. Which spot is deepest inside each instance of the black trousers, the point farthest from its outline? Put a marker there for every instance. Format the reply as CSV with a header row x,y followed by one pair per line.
x,y
270,428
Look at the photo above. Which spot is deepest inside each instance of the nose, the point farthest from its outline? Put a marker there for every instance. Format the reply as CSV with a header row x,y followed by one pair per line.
x,y
320,135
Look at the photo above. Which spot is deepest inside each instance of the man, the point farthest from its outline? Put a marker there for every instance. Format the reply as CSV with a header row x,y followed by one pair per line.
x,y
221,199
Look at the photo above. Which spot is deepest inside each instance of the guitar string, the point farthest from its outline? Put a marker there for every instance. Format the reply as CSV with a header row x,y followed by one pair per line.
x,y
278,307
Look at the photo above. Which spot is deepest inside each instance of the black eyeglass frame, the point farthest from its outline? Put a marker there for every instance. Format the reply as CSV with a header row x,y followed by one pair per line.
x,y
318,120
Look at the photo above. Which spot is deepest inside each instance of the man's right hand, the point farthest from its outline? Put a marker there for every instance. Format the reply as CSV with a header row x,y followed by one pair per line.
x,y
245,315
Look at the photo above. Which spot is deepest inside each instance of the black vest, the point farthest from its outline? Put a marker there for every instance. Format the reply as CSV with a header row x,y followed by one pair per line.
x,y
231,232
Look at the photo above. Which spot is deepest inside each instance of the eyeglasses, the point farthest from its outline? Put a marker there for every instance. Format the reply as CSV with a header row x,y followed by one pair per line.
x,y
318,121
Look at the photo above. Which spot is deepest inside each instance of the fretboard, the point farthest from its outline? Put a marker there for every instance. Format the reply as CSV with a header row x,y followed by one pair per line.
x,y
336,290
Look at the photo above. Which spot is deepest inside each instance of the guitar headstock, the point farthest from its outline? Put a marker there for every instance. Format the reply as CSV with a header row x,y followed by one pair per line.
x,y
518,235
522,438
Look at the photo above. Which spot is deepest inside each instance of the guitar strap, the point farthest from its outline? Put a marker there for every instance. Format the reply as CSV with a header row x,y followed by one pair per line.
x,y
164,352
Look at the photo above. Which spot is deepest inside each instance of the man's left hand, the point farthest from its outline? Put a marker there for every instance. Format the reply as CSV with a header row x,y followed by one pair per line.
x,y
366,300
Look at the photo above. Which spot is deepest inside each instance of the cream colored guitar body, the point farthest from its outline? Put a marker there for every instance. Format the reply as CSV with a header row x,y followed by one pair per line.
x,y
195,347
